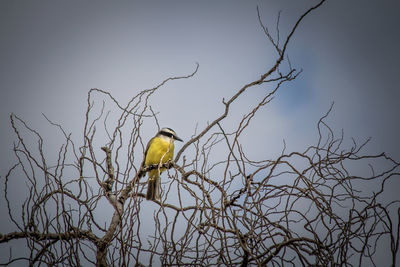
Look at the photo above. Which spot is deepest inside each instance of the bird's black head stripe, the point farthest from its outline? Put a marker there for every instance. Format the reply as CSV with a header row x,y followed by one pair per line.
x,y
167,134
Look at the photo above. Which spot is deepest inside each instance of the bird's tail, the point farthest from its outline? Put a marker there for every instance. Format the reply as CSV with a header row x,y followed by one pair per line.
x,y
153,186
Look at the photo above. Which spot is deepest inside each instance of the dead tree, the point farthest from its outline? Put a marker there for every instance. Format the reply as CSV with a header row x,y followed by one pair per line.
x,y
84,203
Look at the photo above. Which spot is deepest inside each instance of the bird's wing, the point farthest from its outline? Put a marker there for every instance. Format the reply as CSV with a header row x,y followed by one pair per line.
x,y
145,152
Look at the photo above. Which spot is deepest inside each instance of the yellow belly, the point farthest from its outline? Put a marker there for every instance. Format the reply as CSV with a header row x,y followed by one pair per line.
x,y
159,151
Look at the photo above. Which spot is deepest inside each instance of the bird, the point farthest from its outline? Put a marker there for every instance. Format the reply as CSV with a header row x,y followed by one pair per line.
x,y
159,150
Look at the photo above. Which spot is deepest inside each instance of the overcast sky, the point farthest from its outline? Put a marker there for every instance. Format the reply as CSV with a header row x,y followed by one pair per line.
x,y
53,52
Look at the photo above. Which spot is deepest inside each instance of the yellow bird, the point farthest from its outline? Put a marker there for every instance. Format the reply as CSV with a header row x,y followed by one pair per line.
x,y
160,149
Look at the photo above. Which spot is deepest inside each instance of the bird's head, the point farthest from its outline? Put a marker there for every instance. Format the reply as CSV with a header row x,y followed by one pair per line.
x,y
168,132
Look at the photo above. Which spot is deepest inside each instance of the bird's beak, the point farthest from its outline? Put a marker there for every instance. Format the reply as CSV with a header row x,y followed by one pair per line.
x,y
177,138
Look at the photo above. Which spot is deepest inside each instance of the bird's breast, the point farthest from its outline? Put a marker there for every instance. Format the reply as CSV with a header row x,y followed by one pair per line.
x,y
159,150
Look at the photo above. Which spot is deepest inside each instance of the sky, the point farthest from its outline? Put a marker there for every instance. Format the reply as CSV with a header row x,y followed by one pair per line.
x,y
53,52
